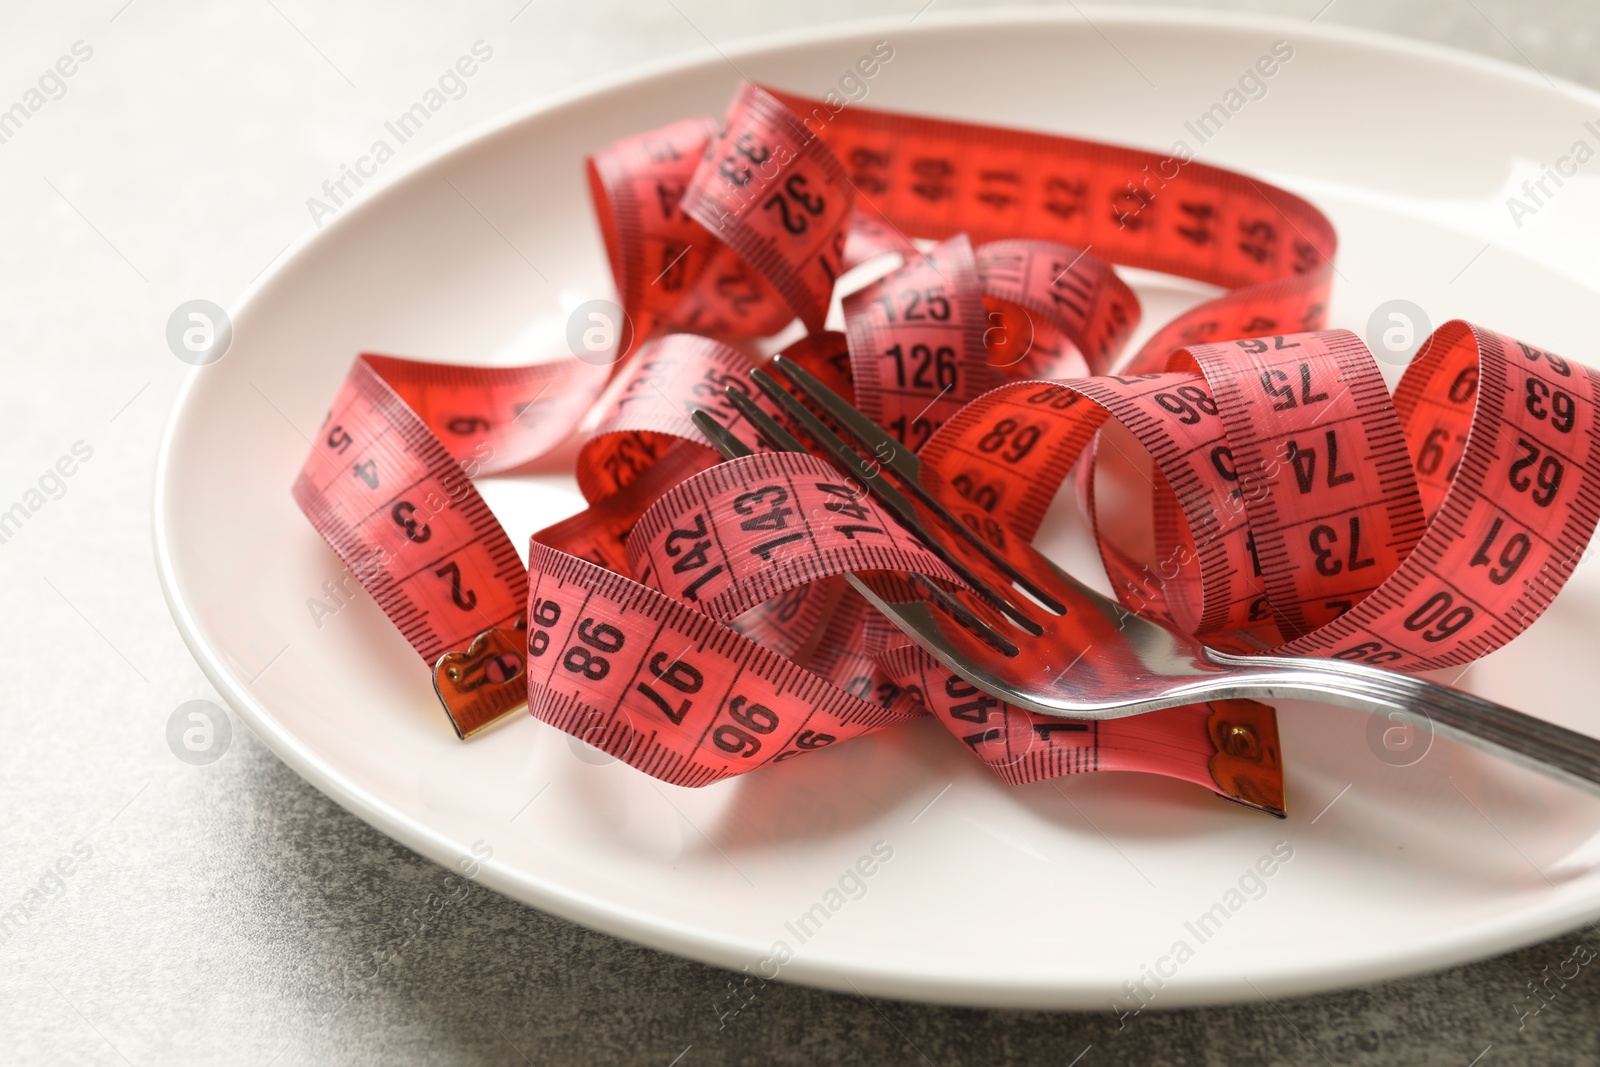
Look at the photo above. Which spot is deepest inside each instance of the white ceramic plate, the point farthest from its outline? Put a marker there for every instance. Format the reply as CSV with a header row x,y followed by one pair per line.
x,y
1050,895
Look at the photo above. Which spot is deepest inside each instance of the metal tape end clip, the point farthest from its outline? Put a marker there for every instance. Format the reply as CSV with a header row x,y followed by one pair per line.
x,y
1247,766
484,684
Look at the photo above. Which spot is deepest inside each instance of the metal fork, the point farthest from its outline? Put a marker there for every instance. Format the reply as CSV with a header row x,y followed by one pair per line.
x,y
1071,652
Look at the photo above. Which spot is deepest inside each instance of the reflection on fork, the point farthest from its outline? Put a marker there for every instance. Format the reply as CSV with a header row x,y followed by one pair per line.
x,y
1036,638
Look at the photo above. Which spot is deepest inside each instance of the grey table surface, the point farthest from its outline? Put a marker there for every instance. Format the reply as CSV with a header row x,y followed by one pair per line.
x,y
230,913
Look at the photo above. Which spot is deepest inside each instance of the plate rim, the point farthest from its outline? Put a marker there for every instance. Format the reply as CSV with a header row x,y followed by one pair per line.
x,y
712,947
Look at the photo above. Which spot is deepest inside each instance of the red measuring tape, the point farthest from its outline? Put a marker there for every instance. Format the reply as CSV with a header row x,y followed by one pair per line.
x,y
693,620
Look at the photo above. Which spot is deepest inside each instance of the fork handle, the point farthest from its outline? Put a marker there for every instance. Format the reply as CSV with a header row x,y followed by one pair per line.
x,y
1555,751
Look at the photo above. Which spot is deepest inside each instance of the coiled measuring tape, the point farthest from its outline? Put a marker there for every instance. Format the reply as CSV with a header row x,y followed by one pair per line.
x,y
692,620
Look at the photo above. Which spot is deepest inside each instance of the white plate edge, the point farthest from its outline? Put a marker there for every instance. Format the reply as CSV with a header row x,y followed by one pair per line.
x,y
709,946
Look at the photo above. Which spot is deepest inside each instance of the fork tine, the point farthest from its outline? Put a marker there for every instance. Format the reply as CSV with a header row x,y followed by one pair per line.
x,y
874,439
881,491
720,436
731,447
958,612
868,434
861,469
779,437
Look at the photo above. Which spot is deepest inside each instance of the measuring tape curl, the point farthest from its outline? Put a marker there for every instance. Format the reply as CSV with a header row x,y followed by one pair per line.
x,y
693,620
1321,519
